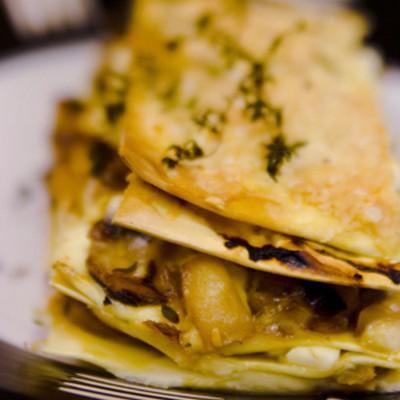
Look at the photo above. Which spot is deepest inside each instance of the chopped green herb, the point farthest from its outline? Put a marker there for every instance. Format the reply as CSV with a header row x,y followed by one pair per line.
x,y
252,84
203,22
114,111
229,52
278,40
189,151
169,313
179,152
276,43
258,109
107,166
112,88
211,120
170,162
148,65
173,44
257,74
256,105
230,49
278,151
170,94
111,83
202,119
100,155
278,116
193,150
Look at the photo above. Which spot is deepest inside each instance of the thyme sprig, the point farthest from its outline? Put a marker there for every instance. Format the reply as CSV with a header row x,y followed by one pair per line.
x,y
211,120
203,22
278,152
260,107
188,151
114,111
279,40
174,43
253,87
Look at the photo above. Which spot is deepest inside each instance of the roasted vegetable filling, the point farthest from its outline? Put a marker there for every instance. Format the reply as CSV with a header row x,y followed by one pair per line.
x,y
226,303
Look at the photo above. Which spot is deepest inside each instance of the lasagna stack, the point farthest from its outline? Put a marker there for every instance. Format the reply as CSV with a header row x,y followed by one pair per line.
x,y
225,207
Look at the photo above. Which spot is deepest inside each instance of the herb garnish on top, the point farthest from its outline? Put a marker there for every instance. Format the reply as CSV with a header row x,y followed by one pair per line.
x,y
175,154
278,151
253,89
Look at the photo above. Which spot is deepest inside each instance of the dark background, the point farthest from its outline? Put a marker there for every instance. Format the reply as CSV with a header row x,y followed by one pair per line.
x,y
383,14
112,16
385,23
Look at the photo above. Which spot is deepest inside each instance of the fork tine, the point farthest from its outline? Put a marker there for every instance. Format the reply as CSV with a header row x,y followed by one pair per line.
x,y
96,396
122,389
92,379
38,377
107,392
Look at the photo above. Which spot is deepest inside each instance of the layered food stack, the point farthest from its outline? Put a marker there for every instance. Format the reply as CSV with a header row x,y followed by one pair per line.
x,y
224,204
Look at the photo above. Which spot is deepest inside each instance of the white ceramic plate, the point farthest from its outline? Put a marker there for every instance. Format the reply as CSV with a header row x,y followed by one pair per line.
x,y
30,86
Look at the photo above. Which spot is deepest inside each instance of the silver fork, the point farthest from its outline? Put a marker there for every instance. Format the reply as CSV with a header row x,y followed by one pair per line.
x,y
29,374
25,373
102,388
